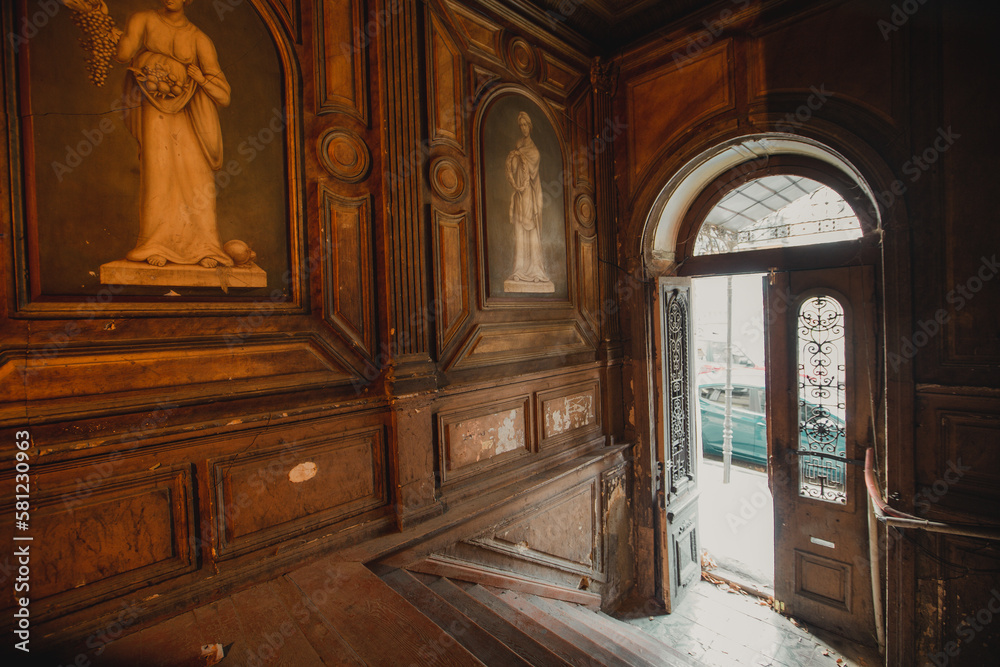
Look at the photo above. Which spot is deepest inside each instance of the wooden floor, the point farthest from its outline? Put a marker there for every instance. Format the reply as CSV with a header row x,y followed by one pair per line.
x,y
336,613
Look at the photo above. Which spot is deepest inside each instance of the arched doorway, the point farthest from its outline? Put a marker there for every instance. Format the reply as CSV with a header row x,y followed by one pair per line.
x,y
728,212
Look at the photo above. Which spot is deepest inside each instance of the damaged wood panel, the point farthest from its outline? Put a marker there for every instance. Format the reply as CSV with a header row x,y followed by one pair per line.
x,y
479,438
281,492
569,412
341,70
563,533
616,535
123,533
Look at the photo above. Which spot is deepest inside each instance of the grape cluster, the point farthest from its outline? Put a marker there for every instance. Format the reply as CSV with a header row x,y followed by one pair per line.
x,y
99,40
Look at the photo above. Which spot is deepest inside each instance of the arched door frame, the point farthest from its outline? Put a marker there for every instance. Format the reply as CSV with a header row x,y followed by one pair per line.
x,y
672,196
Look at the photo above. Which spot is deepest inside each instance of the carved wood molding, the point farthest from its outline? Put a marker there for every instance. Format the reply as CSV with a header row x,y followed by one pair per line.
x,y
345,155
490,344
403,163
290,14
446,83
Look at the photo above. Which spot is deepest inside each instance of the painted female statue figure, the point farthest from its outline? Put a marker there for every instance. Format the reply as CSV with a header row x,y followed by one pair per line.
x,y
526,214
175,72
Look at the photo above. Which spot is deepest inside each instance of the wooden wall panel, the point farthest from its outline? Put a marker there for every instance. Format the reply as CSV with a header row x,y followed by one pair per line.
x,y
296,488
128,531
783,58
348,267
341,68
568,412
473,440
446,97
587,280
671,99
958,454
563,534
451,260
482,36
490,344
136,378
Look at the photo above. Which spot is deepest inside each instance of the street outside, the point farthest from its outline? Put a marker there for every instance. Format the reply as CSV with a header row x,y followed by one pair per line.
x,y
737,522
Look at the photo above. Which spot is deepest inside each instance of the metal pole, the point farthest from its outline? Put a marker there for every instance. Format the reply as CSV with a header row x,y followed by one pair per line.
x,y
727,424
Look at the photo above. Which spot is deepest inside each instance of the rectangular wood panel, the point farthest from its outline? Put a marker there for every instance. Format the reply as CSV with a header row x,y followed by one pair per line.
x,y
122,533
491,344
267,496
347,263
823,579
586,249
451,259
341,70
667,101
447,101
137,377
563,534
481,437
569,413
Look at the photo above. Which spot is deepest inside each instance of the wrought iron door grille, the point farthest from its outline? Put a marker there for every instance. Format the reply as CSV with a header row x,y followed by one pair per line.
x,y
822,400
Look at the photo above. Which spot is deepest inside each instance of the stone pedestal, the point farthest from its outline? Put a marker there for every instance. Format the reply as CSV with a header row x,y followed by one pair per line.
x,y
124,272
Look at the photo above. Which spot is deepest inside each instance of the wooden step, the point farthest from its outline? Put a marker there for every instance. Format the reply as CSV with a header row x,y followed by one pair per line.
x,y
525,644
478,641
564,648
376,621
616,632
532,607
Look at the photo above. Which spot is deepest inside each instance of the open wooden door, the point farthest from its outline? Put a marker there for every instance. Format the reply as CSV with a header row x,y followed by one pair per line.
x,y
677,488
821,362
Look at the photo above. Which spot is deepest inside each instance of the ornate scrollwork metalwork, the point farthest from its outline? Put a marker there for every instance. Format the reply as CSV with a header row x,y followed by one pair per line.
x,y
678,382
822,400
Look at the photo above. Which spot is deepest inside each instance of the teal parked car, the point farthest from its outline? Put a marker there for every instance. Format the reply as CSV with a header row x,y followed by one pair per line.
x,y
749,425
749,422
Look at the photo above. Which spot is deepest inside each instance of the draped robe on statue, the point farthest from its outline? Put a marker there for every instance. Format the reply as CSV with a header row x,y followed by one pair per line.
x,y
526,212
180,138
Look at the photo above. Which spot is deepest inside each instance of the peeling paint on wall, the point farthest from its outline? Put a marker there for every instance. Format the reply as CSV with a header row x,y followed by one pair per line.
x,y
482,438
569,413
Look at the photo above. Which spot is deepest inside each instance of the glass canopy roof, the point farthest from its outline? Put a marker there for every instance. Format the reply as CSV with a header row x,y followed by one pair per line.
x,y
776,211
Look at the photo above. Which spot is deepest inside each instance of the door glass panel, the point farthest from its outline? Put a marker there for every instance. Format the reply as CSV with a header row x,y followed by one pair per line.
x,y
822,400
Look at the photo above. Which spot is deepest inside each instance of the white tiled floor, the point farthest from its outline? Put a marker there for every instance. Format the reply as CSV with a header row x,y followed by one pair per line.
x,y
720,629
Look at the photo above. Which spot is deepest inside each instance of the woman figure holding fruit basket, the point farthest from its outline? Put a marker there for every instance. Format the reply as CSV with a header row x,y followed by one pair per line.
x,y
174,88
